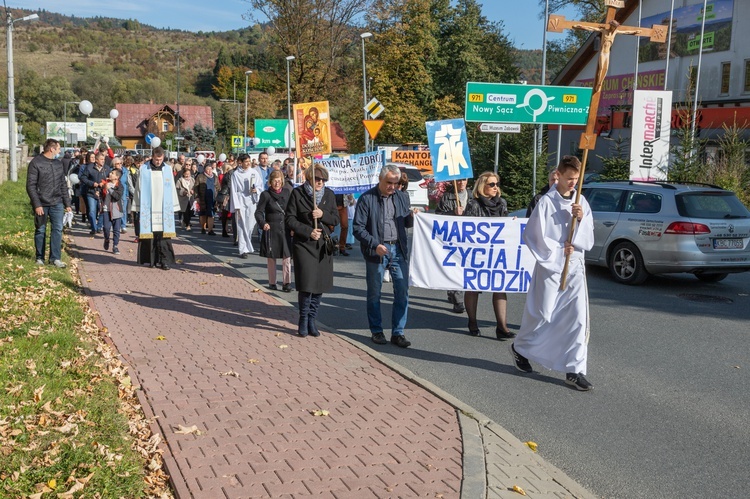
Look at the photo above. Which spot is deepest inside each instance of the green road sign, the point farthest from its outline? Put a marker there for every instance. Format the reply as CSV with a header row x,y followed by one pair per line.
x,y
540,104
272,133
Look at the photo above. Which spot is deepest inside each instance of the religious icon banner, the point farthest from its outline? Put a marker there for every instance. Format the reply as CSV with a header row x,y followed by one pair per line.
x,y
470,253
649,145
449,148
312,125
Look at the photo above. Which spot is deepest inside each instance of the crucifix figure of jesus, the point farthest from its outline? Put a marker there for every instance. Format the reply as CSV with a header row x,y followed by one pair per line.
x,y
609,29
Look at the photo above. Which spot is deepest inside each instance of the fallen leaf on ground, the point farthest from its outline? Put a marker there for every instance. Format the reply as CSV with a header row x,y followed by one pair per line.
x,y
187,430
518,489
283,346
33,333
253,361
320,412
256,290
67,428
77,487
160,338
203,283
277,334
38,393
52,484
178,261
531,445
230,373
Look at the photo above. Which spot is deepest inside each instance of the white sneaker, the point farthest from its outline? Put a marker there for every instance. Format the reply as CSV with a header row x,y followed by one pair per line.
x,y
59,264
39,261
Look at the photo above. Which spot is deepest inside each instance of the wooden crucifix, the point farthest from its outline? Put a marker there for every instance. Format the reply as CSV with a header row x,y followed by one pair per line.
x,y
608,30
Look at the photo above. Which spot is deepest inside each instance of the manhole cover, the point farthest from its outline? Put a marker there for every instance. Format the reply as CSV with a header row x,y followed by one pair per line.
x,y
705,298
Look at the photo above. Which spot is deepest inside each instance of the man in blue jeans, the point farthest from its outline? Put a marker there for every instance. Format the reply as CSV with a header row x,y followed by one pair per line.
x,y
48,192
380,221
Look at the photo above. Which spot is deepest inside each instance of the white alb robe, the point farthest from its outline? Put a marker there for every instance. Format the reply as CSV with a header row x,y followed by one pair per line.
x,y
243,203
555,326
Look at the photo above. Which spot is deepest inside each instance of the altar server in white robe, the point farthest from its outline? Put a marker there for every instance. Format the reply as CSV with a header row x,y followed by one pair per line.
x,y
247,184
555,326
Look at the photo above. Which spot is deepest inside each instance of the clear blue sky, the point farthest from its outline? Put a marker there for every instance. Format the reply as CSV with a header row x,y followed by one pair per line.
x,y
520,17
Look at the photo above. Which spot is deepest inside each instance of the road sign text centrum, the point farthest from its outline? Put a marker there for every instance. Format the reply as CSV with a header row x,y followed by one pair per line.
x,y
540,104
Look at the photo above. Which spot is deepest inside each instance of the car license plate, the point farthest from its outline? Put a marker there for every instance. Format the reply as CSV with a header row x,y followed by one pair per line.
x,y
728,244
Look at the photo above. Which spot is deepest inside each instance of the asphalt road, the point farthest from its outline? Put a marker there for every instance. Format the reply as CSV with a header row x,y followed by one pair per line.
x,y
669,360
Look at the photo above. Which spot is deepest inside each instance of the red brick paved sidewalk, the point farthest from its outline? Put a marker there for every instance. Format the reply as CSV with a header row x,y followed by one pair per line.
x,y
384,436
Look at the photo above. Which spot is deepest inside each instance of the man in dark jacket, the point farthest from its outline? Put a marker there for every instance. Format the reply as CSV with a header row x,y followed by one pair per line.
x,y
382,216
94,178
48,191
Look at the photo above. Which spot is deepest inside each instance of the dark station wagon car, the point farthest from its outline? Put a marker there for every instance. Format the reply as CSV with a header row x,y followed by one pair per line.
x,y
643,228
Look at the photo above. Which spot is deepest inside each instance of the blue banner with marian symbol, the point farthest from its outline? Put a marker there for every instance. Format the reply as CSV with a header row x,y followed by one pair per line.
x,y
449,148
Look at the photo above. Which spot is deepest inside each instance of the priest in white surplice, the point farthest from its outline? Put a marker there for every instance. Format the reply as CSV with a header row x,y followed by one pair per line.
x,y
157,204
555,326
247,184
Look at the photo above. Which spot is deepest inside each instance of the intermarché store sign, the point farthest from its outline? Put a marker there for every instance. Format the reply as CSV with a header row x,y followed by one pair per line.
x,y
420,159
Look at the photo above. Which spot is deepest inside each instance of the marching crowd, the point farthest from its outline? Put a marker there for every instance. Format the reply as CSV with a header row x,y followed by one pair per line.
x,y
296,218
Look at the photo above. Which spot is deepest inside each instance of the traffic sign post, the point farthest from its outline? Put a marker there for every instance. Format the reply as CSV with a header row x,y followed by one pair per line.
x,y
236,141
539,104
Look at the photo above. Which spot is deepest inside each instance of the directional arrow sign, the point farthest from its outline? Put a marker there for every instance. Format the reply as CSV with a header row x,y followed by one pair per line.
x,y
499,128
540,104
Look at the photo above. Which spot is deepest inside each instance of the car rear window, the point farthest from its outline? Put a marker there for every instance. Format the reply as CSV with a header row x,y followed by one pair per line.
x,y
715,205
412,174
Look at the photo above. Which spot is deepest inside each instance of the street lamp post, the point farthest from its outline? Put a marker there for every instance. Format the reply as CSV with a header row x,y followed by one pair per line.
x,y
247,75
289,59
12,131
177,111
364,36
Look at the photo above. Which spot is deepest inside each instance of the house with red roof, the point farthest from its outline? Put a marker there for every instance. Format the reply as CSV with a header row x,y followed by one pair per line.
x,y
135,121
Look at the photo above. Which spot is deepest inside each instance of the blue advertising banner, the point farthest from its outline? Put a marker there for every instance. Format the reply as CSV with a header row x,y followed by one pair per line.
x,y
449,148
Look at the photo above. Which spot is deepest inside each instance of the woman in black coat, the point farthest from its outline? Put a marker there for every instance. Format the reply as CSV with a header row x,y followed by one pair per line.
x,y
486,202
312,225
270,217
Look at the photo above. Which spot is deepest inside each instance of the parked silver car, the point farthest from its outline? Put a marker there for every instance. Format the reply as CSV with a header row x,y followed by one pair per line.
x,y
643,228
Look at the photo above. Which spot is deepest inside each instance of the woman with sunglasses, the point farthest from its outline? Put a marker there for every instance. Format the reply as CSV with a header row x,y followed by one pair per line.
x,y
311,215
486,202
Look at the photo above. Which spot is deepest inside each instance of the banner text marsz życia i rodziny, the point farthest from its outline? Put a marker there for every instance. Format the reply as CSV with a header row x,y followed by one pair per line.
x,y
470,253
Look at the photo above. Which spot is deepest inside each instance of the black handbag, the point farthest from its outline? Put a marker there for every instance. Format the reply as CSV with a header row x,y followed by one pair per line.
x,y
329,246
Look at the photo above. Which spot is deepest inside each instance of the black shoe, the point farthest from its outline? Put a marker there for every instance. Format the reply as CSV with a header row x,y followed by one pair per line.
x,y
458,308
348,246
164,266
474,329
343,253
286,288
379,338
244,256
224,234
302,327
521,362
235,243
312,329
115,251
504,335
99,231
92,232
106,244
211,233
578,381
400,341
273,287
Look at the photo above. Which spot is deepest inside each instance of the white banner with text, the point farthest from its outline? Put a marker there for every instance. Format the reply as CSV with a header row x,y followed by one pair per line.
x,y
470,253
649,146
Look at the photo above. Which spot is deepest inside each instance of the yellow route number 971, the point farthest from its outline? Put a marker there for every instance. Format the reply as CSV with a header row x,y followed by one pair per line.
x,y
476,97
570,98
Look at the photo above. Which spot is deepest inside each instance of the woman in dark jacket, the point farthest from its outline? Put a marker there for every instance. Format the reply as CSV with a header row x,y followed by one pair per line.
x,y
205,192
486,202
270,217
312,225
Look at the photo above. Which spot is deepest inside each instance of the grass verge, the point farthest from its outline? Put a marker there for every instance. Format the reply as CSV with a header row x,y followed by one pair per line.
x,y
70,423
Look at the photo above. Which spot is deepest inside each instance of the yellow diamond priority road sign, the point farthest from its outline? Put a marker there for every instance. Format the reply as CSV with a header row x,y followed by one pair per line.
x,y
374,108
